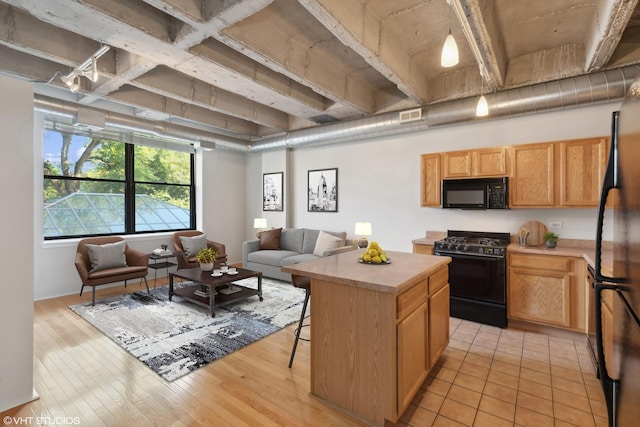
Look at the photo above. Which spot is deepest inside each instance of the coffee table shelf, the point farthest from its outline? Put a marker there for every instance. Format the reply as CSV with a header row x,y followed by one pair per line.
x,y
214,285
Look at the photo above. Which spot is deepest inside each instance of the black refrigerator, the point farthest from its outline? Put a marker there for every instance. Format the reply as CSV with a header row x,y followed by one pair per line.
x,y
620,373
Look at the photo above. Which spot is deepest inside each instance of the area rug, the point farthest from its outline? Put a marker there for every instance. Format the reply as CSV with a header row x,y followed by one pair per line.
x,y
178,337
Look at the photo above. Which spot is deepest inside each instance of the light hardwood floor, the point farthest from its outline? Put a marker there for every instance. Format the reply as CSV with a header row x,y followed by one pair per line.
x,y
487,376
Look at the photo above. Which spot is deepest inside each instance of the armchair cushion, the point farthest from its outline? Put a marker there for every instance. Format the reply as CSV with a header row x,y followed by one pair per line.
x,y
270,239
192,244
109,255
325,242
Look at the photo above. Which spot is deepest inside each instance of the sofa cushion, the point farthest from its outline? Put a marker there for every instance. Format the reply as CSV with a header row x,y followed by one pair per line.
x,y
297,258
110,255
270,239
311,236
325,242
270,257
291,239
192,244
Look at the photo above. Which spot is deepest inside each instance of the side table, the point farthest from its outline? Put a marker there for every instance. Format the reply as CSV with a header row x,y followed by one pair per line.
x,y
157,265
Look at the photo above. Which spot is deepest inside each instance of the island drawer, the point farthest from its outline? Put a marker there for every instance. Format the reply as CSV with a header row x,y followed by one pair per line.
x,y
411,299
438,280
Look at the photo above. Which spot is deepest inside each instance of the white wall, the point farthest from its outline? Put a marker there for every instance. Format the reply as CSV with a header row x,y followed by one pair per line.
x,y
16,253
379,179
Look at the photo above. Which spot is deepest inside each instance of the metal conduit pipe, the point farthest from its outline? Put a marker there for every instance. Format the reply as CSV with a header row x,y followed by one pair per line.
x,y
122,121
571,92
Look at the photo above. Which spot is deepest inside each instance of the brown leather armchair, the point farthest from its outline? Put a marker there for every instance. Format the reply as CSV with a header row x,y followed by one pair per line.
x,y
136,268
184,262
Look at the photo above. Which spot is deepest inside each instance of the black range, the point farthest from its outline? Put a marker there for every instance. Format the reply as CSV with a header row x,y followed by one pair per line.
x,y
477,275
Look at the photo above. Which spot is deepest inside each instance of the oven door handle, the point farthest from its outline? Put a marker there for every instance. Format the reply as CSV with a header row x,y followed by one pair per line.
x,y
463,256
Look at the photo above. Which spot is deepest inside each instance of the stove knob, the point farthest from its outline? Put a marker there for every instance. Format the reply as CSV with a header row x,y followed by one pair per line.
x,y
449,246
466,248
481,250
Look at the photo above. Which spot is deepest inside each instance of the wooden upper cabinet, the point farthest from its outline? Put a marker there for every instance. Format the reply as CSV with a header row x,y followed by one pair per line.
x,y
532,179
490,162
582,165
457,164
430,186
475,163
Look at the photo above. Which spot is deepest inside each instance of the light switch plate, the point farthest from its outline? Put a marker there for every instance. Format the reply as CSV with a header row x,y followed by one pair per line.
x,y
555,224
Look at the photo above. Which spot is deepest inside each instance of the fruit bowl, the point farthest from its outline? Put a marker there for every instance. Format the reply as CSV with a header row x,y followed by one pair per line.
x,y
361,261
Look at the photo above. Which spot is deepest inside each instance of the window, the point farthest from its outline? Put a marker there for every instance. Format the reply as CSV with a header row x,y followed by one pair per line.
x,y
96,185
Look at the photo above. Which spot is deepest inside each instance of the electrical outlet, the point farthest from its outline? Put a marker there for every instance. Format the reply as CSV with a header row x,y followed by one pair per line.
x,y
555,224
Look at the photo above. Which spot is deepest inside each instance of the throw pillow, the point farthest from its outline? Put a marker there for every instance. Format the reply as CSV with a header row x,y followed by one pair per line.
x,y
110,255
270,239
191,245
325,242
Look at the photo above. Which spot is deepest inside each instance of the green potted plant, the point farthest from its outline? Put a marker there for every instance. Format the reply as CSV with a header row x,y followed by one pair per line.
x,y
550,239
206,257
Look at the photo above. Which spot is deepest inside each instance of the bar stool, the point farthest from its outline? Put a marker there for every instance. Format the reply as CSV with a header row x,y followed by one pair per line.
x,y
302,283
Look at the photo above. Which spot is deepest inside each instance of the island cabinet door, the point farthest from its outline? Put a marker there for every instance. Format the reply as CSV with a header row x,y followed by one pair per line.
x,y
412,355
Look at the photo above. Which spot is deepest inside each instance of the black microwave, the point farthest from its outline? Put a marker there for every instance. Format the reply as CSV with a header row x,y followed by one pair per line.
x,y
475,193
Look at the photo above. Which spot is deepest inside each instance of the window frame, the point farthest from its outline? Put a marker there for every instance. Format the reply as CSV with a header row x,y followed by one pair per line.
x,y
129,183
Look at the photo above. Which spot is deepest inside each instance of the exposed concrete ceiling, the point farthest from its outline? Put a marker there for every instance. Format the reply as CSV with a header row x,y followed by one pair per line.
x,y
250,69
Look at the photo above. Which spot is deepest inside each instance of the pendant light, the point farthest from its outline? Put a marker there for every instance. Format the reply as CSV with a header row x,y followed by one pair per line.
x,y
482,108
449,56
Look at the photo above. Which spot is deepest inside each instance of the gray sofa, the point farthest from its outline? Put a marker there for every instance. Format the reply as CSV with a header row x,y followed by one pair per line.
x,y
296,245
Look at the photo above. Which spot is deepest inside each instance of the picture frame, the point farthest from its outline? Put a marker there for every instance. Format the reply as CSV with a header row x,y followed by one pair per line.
x,y
322,190
272,191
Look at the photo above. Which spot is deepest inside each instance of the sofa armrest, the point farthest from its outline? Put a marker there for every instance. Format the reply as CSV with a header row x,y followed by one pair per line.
x,y
339,250
249,246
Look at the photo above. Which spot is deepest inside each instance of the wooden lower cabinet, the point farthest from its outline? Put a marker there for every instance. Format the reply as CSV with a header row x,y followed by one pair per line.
x,y
547,289
412,355
438,323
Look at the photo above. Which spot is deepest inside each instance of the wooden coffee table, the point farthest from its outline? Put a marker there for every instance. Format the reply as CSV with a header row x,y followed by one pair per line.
x,y
215,285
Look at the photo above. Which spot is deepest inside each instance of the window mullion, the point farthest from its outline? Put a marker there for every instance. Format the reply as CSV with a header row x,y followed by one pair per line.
x,y
130,190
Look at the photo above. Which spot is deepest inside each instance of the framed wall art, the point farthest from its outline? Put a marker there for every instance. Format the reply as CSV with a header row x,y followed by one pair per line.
x,y
272,191
322,185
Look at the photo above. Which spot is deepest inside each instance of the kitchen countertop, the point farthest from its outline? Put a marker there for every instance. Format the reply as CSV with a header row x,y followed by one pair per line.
x,y
389,278
566,247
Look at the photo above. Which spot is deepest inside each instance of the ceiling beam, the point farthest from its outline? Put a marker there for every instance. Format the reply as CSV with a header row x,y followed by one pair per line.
x,y
610,21
256,83
316,66
142,99
481,32
64,47
170,83
346,21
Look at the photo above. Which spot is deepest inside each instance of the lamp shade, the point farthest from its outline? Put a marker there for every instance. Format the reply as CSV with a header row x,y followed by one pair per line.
x,y
482,108
260,223
449,56
363,229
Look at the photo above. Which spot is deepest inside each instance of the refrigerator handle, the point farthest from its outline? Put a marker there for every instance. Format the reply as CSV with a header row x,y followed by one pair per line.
x,y
610,181
610,386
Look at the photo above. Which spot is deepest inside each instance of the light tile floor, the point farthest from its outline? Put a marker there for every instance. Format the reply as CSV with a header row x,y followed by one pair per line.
x,y
504,377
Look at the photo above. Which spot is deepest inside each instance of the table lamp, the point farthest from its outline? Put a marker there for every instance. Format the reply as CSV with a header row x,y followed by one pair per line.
x,y
259,224
363,229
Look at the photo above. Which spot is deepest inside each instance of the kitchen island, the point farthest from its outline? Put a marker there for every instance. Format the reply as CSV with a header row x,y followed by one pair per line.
x,y
376,330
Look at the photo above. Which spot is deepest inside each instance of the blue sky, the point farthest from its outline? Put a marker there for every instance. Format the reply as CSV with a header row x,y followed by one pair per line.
x,y
53,144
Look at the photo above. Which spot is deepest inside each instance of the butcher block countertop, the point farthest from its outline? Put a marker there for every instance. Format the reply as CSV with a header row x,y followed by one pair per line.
x,y
395,277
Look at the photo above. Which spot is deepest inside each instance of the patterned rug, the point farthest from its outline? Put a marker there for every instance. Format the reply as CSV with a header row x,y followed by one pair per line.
x,y
175,338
